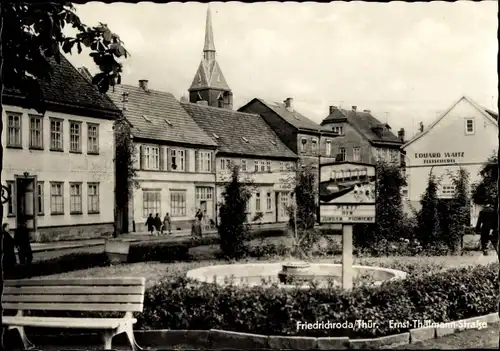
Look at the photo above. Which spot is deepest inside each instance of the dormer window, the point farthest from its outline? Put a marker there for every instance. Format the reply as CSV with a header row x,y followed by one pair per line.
x,y
273,142
147,118
244,139
215,136
168,122
338,130
303,143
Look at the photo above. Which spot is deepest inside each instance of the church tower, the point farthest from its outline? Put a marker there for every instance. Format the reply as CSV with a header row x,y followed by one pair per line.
x,y
209,84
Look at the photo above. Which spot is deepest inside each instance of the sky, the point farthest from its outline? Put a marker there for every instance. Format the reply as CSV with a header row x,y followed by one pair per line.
x,y
406,62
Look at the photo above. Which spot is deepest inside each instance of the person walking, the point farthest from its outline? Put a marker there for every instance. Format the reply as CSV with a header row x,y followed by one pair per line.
x,y
22,241
157,223
150,223
167,224
8,252
487,227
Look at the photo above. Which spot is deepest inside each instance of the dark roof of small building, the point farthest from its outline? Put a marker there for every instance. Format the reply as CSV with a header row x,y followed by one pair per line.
x,y
239,133
157,115
291,116
365,123
69,88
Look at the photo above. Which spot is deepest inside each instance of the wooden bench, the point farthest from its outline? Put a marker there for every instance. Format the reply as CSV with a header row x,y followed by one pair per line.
x,y
85,295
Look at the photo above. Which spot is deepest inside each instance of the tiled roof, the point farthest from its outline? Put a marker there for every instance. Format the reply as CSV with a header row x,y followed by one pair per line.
x,y
238,132
364,122
209,75
68,87
157,115
293,117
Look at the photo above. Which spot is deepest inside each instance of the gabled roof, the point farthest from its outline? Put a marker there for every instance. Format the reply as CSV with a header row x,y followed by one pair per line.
x,y
293,117
365,123
209,75
239,133
157,115
68,89
488,114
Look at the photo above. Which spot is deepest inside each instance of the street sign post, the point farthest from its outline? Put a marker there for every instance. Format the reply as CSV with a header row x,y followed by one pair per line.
x,y
347,196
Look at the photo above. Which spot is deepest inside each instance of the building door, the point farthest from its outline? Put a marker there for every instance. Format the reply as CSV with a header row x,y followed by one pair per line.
x,y
282,204
26,195
205,202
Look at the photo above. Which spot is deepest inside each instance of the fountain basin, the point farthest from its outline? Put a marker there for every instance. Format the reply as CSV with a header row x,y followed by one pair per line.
x,y
253,274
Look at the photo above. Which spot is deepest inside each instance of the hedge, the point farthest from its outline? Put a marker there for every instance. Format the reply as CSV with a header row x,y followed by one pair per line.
x,y
143,252
442,297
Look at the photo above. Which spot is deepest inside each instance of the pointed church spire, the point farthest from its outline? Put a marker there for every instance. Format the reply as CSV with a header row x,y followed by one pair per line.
x,y
209,48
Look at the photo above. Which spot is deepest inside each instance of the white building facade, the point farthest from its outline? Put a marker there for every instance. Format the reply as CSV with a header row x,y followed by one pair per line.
x,y
58,166
464,136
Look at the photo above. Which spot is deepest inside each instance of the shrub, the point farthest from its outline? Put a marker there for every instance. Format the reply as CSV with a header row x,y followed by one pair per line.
x,y
442,297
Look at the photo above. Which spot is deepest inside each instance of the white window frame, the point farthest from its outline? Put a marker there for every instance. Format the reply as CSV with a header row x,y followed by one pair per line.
x,y
36,132
257,202
222,164
151,202
356,154
179,155
256,166
303,144
205,161
338,130
243,165
343,152
314,145
56,198
56,134
328,148
93,198
178,206
269,201
75,199
282,166
150,157
268,166
75,136
14,130
466,126
204,193
93,138
262,166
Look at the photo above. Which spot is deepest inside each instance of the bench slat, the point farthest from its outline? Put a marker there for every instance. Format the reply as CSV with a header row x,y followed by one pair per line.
x,y
60,322
74,298
86,307
77,282
75,290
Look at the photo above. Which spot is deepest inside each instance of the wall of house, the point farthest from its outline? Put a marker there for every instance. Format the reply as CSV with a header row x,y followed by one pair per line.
x,y
447,147
279,179
65,167
286,132
350,140
162,183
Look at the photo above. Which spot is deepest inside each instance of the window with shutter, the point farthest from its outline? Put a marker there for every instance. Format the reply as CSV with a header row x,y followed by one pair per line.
x,y
187,166
162,158
141,156
212,162
196,161
168,159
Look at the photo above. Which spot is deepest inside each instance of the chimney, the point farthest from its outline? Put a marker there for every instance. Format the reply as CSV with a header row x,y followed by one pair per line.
x,y
143,84
401,135
421,127
354,108
332,108
289,103
202,102
367,111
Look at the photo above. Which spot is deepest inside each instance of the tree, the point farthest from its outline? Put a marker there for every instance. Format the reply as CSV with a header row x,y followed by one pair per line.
x,y
302,214
486,191
124,162
429,228
32,37
233,228
389,215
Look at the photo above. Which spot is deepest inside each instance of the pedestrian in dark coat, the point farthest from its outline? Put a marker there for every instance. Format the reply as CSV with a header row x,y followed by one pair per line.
x,y
487,227
23,243
150,223
8,251
157,223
